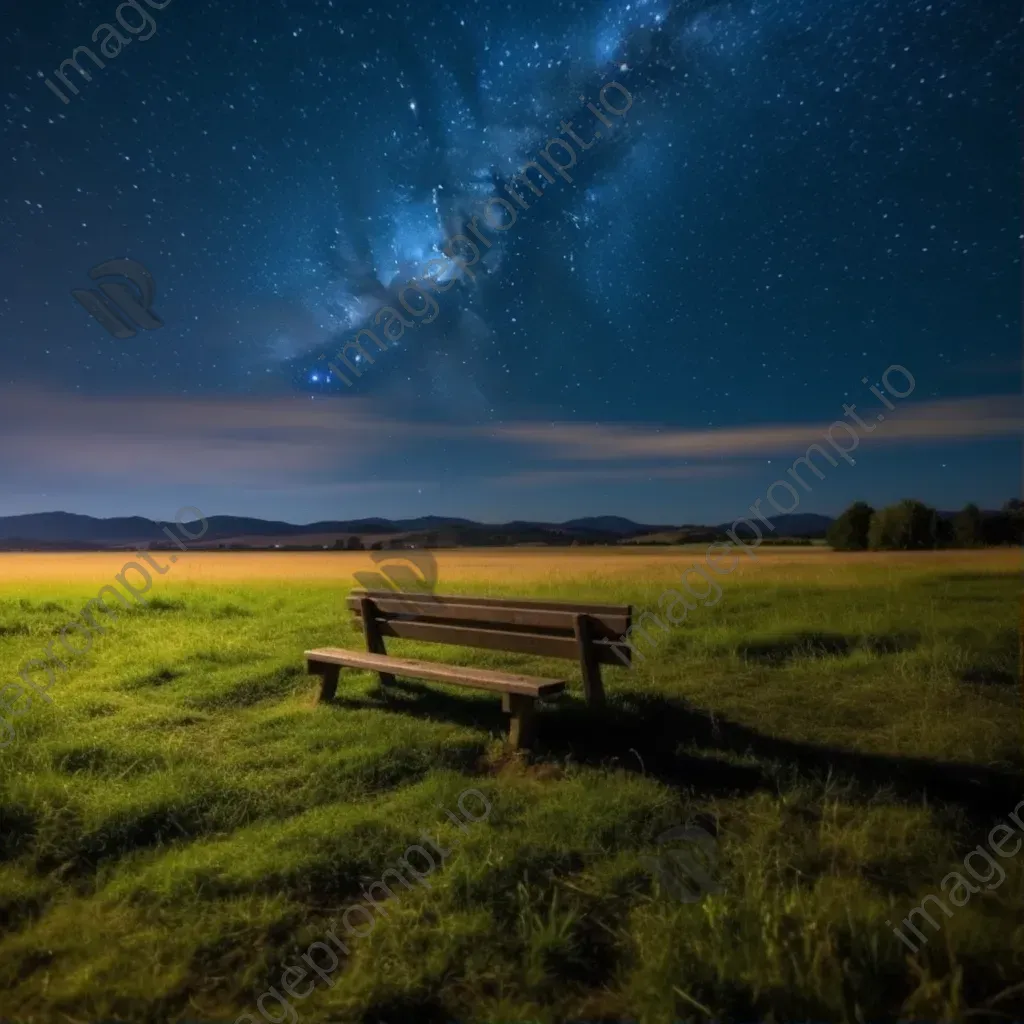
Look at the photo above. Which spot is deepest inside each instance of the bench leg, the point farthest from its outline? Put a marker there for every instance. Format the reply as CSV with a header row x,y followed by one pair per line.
x,y
593,689
522,709
374,640
328,682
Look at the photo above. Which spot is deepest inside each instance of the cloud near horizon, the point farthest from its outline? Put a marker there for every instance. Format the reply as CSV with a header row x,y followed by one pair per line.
x,y
947,420
255,442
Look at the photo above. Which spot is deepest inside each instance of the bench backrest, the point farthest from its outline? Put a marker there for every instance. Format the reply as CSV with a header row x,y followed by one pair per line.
x,y
553,629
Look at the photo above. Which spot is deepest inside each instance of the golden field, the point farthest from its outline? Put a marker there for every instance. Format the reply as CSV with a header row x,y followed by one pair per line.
x,y
528,566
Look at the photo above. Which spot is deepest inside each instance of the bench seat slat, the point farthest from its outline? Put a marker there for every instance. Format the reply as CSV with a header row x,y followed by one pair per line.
x,y
479,678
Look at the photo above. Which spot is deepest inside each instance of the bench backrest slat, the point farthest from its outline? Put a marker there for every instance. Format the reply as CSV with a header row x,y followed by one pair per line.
x,y
492,602
608,623
496,640
545,628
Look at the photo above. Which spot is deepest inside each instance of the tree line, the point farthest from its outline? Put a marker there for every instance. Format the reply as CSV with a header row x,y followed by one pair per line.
x,y
911,525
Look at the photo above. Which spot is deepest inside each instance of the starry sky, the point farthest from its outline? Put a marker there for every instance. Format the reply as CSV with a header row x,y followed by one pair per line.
x,y
798,195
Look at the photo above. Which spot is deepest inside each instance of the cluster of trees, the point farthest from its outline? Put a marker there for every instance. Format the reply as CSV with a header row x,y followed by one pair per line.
x,y
911,525
352,544
393,544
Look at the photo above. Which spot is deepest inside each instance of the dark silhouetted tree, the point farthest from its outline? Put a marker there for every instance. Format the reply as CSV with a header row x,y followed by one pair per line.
x,y
906,526
968,527
945,533
1005,526
850,531
1014,511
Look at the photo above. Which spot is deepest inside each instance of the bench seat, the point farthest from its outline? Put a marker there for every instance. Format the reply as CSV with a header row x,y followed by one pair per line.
x,y
519,693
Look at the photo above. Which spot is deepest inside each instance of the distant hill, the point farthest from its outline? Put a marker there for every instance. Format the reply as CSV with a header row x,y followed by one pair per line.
x,y
610,524
63,531
48,531
64,527
789,527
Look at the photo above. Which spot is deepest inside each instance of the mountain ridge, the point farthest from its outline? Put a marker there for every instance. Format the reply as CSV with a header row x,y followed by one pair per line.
x,y
68,530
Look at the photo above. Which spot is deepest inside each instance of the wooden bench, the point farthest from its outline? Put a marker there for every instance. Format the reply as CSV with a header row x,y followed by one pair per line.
x,y
555,629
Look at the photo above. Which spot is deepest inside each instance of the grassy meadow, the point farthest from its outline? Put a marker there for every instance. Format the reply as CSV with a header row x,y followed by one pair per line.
x,y
184,820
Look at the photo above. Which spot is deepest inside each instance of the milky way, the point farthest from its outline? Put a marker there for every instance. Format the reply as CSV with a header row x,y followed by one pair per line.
x,y
802,191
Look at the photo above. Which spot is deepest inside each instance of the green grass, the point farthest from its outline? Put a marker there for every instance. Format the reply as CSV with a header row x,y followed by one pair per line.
x,y
183,820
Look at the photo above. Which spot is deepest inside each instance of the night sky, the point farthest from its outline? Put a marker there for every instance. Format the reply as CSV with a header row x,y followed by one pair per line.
x,y
800,194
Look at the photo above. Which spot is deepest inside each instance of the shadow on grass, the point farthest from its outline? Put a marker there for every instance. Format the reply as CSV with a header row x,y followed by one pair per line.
x,y
158,677
406,1009
21,909
779,650
268,686
985,676
164,604
656,728
63,844
20,826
